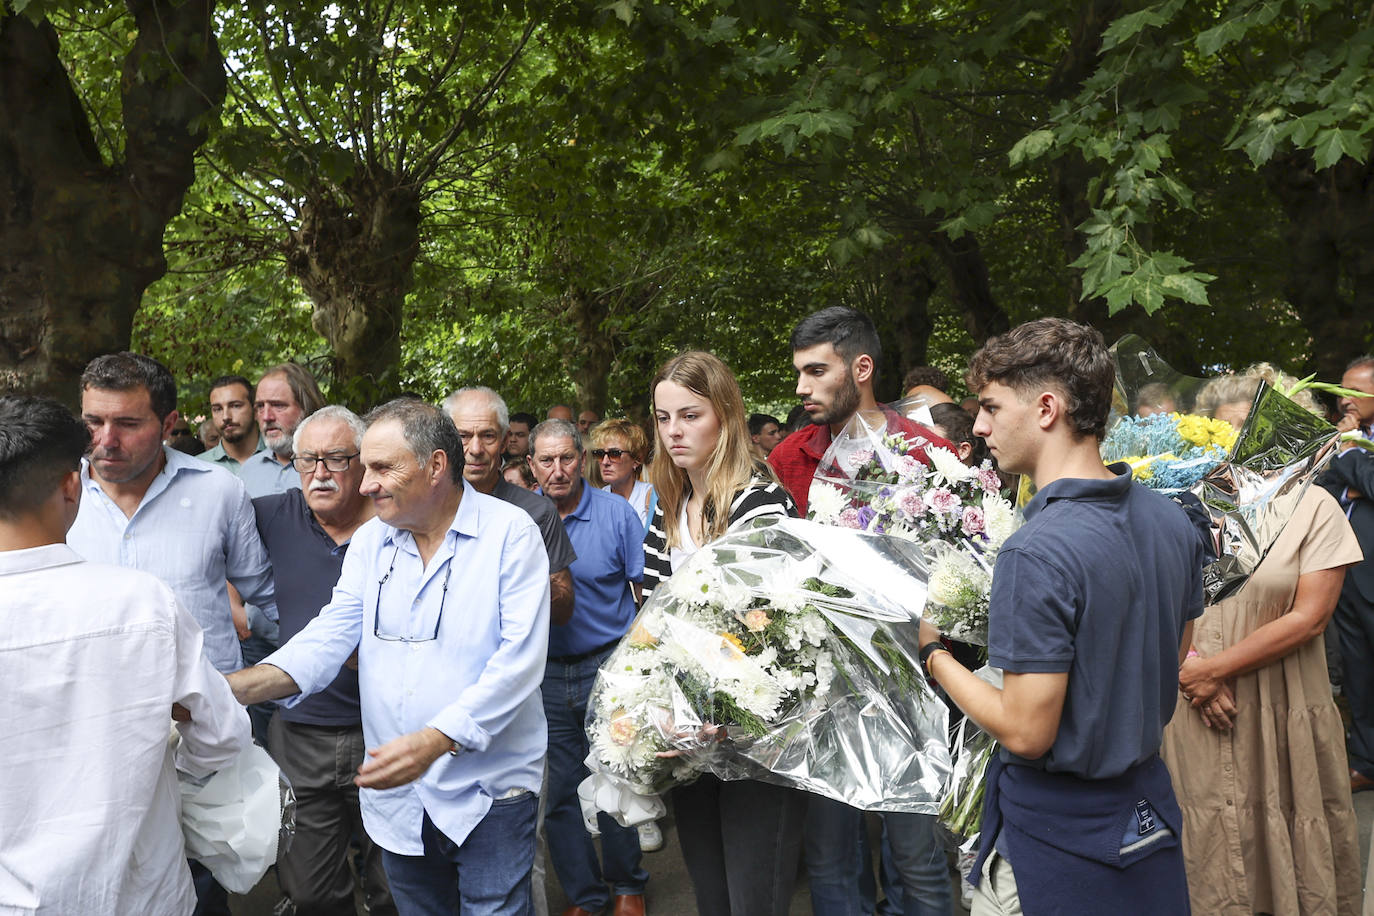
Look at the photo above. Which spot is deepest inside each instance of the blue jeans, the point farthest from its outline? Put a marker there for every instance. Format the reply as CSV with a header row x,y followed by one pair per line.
x,y
836,857
488,875
566,689
919,857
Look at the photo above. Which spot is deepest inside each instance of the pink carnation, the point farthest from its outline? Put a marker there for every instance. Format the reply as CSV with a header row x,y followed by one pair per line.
x,y
910,503
859,460
972,520
989,480
908,468
944,500
849,518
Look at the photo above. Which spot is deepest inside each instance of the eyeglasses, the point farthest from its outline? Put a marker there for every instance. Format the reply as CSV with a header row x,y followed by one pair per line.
x,y
377,611
615,454
305,464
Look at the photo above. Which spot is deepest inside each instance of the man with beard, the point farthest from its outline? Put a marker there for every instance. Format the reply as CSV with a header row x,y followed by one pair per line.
x,y
231,412
286,394
319,742
836,352
149,507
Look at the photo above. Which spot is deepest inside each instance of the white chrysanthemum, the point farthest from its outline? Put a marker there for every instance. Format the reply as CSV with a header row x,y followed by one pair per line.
x,y
946,466
1000,519
693,583
825,503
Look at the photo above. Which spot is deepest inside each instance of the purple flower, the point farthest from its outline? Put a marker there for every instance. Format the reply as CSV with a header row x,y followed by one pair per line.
x,y
866,517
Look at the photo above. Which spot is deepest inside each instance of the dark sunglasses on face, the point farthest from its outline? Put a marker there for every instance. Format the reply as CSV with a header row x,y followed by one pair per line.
x,y
615,454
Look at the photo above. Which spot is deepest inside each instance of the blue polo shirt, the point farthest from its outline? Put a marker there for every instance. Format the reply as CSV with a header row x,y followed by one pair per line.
x,y
305,566
609,540
1099,583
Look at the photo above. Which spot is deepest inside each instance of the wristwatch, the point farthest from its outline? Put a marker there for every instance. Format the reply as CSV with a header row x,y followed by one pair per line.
x,y
928,650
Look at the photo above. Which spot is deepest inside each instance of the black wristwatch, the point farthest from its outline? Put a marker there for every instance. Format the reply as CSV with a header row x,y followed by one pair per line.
x,y
928,650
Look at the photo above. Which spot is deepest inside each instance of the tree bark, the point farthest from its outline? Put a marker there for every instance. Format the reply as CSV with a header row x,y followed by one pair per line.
x,y
81,239
354,258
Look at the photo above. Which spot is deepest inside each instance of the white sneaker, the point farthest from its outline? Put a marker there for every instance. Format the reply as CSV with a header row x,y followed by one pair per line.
x,y
650,837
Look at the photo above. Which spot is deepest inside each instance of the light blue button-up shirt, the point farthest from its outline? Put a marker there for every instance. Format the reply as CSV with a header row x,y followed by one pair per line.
x,y
194,529
264,475
477,682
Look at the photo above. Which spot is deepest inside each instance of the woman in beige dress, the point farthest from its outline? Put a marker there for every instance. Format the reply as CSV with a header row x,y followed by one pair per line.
x,y
1256,746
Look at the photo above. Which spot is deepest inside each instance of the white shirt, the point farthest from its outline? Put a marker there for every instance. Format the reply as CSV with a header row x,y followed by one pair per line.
x,y
477,682
91,659
639,499
194,529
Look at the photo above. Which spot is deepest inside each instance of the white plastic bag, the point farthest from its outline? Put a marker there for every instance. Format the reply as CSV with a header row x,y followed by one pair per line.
x,y
235,822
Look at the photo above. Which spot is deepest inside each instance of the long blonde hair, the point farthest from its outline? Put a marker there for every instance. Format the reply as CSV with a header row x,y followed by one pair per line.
x,y
732,464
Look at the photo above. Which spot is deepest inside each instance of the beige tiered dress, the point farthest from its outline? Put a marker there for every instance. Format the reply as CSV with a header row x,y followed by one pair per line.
x,y
1268,825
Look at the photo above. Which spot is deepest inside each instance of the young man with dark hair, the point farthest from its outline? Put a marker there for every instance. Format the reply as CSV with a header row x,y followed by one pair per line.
x,y
837,353
1092,608
517,444
92,660
231,411
765,432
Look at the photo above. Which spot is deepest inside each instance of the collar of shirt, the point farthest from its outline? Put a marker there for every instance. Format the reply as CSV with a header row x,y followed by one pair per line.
x,y
1082,488
35,558
177,463
466,523
583,512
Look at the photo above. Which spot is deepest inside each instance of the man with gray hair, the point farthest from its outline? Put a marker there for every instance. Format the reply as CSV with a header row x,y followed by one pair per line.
x,y
482,419
609,539
448,687
319,743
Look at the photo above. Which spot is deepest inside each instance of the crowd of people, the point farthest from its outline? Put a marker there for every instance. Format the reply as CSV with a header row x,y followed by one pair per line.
x,y
413,606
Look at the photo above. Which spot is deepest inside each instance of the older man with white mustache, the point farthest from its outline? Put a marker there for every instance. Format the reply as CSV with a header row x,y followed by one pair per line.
x,y
319,743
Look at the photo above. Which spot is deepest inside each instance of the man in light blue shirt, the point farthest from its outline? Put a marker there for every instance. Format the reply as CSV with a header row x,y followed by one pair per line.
x,y
231,411
609,539
445,597
149,507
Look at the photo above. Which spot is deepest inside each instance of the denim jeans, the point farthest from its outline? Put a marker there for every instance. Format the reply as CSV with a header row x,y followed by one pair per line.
x,y
566,689
741,841
488,875
836,856
919,857
837,861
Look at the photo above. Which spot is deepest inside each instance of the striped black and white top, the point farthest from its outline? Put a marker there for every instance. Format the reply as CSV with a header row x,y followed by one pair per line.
x,y
761,498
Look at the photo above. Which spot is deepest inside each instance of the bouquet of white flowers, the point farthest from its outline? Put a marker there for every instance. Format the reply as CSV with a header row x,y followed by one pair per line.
x,y
871,480
783,651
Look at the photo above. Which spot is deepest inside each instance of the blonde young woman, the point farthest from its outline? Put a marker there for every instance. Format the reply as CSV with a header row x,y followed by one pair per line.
x,y
615,461
741,840
1256,747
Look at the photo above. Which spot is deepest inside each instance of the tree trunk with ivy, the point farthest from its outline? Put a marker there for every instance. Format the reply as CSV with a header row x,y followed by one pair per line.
x,y
80,237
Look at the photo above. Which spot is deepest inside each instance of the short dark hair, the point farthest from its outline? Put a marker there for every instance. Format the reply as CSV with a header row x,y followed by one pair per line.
x,y
40,443
925,375
757,421
848,330
303,386
524,416
1071,356
426,429
958,427
126,371
224,381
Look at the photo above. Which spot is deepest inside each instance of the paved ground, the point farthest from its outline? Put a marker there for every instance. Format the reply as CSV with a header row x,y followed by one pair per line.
x,y
670,892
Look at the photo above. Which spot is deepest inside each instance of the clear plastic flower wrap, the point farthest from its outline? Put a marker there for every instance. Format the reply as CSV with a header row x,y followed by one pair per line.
x,y
872,479
1243,497
784,651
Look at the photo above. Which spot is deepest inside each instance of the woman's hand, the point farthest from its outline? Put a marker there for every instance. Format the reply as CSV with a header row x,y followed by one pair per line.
x,y
1220,711
708,734
1196,680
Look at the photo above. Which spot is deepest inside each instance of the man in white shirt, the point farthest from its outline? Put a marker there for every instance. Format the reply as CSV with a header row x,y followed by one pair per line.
x,y
92,659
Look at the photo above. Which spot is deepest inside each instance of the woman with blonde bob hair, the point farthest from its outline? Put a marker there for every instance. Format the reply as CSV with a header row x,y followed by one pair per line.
x,y
741,840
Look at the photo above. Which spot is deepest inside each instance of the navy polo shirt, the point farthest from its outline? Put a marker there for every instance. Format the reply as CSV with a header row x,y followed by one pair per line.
x,y
609,539
305,566
1099,583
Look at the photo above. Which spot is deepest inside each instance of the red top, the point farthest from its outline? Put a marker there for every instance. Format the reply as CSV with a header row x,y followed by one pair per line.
x,y
796,458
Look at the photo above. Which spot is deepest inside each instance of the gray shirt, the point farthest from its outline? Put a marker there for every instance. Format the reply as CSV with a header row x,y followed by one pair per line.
x,y
545,515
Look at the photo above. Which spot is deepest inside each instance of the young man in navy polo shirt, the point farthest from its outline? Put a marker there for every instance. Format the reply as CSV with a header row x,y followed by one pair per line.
x,y
1092,608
